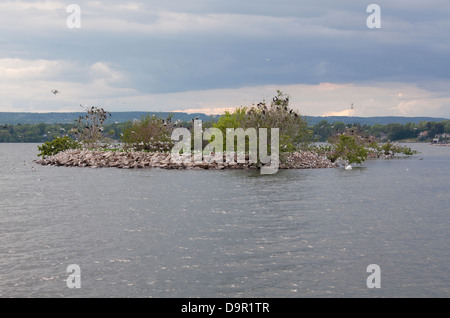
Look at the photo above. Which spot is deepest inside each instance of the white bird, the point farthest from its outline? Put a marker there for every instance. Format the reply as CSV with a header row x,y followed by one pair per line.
x,y
348,167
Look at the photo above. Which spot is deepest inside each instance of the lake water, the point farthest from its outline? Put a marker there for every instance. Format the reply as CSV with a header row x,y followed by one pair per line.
x,y
173,233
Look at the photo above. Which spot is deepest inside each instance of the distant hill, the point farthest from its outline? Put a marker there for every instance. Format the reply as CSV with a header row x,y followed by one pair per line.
x,y
65,118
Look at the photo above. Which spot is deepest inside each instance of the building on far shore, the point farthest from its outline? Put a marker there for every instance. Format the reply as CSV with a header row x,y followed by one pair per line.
x,y
441,139
423,134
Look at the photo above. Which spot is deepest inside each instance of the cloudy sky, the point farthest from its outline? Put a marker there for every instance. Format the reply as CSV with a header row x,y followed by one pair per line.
x,y
208,56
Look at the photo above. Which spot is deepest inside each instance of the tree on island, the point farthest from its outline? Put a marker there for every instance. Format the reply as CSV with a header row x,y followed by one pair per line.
x,y
149,134
88,132
347,148
293,128
89,128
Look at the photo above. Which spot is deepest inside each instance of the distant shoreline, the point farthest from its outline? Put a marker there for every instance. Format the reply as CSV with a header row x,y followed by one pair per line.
x,y
14,118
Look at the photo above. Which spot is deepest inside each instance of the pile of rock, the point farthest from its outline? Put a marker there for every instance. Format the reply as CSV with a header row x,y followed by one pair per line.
x,y
134,160
306,160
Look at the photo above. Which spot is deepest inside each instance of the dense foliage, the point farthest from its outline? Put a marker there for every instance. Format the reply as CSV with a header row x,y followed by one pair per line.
x,y
59,144
390,149
276,114
348,148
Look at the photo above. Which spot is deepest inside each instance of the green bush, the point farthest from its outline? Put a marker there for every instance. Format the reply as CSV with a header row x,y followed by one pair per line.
x,y
347,148
390,149
51,148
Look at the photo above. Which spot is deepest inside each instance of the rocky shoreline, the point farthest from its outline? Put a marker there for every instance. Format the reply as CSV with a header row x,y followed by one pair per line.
x,y
140,160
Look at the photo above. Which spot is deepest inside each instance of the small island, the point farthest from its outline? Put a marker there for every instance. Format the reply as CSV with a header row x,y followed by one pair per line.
x,y
149,142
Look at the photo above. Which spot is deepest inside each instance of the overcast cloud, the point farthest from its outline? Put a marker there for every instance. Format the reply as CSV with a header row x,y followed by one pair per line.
x,y
213,55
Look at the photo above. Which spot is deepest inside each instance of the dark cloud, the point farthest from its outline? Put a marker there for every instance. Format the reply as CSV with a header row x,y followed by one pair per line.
x,y
175,46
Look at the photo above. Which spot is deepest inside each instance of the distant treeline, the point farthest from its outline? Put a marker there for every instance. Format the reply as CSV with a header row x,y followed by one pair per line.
x,y
423,131
14,118
68,118
47,132
321,131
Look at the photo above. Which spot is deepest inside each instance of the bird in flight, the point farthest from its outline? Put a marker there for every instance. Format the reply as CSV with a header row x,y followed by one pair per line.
x,y
55,91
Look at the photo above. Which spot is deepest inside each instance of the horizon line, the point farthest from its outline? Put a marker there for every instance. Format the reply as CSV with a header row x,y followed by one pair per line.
x,y
181,112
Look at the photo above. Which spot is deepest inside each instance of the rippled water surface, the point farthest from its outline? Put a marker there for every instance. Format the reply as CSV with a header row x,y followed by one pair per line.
x,y
164,233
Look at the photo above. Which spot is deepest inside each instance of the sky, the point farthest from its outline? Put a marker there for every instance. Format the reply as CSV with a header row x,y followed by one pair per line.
x,y
211,56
